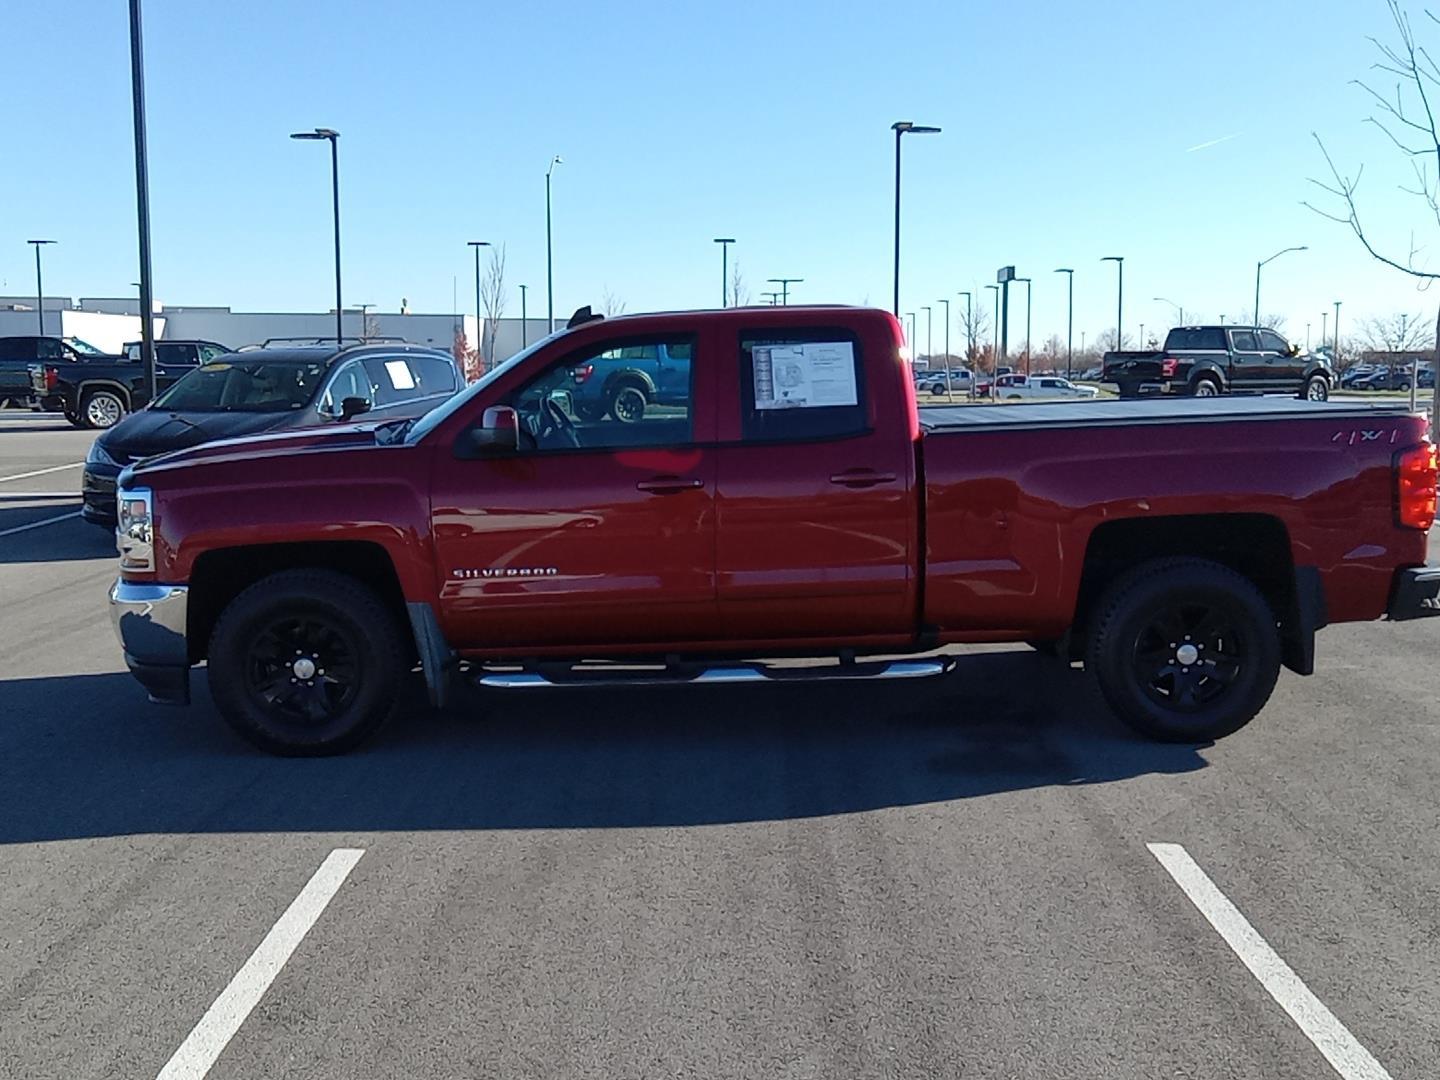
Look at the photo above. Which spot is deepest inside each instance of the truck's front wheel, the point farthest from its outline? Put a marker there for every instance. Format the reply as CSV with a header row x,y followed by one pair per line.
x,y
305,663
1184,650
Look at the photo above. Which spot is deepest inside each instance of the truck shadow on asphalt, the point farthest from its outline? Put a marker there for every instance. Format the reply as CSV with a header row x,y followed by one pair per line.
x,y
87,756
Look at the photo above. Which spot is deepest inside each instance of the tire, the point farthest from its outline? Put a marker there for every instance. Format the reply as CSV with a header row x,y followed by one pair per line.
x,y
1205,386
938,390
101,409
294,709
627,403
1147,682
74,420
1316,388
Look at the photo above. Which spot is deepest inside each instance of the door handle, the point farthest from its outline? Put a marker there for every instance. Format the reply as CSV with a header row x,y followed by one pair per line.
x,y
668,485
861,478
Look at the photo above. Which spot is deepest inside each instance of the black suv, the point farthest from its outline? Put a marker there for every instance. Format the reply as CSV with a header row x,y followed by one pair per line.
x,y
265,390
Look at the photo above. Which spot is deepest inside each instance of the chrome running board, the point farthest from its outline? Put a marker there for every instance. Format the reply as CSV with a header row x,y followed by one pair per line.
x,y
587,675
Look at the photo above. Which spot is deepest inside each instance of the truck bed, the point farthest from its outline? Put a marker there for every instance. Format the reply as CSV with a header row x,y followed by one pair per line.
x,y
1167,411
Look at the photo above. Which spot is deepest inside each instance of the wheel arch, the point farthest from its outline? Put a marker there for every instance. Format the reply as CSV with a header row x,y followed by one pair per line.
x,y
220,575
1256,546
629,377
86,386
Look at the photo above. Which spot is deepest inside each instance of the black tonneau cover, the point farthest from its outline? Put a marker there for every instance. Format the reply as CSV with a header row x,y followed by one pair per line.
x,y
1158,410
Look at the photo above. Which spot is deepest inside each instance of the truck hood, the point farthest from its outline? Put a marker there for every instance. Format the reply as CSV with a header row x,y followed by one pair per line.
x,y
253,448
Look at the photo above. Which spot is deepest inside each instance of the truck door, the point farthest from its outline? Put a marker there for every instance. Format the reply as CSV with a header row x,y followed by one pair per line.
x,y
1247,365
1282,369
816,503
597,531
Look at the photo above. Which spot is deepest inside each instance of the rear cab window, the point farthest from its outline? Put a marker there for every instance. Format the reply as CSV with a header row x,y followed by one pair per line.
x,y
802,385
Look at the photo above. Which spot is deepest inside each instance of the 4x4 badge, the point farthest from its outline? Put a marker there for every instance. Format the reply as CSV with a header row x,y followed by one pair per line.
x,y
1359,435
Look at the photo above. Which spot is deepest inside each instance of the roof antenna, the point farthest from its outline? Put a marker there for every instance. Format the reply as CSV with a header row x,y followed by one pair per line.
x,y
581,317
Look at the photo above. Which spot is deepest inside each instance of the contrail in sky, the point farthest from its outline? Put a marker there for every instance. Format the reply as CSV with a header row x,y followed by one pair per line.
x,y
1212,142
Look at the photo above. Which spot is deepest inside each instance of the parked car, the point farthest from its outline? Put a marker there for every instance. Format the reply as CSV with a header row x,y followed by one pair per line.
x,y
779,506
960,381
19,353
1204,361
1040,387
99,394
624,384
1355,373
268,390
1092,374
984,380
1384,378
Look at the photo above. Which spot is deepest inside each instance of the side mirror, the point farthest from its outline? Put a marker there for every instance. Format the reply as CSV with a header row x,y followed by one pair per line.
x,y
1293,351
498,433
352,407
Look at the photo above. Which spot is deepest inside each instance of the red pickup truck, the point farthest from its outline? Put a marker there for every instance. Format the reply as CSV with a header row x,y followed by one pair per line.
x,y
793,502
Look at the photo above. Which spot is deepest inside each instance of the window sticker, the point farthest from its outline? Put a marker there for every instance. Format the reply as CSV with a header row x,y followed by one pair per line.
x,y
400,377
805,375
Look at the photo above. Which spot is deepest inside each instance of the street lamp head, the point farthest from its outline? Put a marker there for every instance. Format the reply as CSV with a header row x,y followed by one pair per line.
x,y
1112,258
907,127
318,133
724,240
477,243
1064,270
40,241
556,160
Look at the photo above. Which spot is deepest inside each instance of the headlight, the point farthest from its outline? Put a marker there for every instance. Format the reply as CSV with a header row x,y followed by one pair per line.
x,y
134,535
98,456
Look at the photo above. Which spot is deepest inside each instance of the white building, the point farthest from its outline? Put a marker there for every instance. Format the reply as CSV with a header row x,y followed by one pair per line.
x,y
109,322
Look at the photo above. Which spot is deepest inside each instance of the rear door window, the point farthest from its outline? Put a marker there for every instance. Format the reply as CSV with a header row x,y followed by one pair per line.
x,y
1206,338
432,375
1244,341
801,385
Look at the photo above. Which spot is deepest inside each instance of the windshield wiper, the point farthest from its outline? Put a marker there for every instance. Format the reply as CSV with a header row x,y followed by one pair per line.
x,y
188,423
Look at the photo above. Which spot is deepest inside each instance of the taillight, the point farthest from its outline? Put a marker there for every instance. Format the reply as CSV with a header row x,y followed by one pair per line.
x,y
582,373
1168,366
1416,473
52,376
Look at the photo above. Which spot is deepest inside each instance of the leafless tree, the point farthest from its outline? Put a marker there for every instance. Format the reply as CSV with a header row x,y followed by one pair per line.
x,y
739,291
610,303
465,356
1105,342
492,300
1269,321
1394,333
1408,121
974,330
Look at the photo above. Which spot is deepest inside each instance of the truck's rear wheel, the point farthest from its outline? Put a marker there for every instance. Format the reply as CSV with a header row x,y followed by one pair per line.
x,y
305,663
101,409
1184,650
627,403
1206,386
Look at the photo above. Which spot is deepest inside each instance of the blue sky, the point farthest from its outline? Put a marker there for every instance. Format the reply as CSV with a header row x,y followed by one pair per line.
x,y
1067,130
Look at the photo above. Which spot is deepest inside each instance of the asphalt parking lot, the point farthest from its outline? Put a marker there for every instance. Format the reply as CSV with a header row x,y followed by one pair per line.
x,y
979,875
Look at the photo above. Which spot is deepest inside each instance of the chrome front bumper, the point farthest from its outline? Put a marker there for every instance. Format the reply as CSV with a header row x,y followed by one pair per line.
x,y
150,623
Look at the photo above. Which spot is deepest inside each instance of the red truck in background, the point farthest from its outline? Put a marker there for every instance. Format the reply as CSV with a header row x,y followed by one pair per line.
x,y
792,502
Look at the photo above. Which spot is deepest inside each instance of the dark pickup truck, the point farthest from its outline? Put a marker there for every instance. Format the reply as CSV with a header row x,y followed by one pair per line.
x,y
99,394
18,354
1206,361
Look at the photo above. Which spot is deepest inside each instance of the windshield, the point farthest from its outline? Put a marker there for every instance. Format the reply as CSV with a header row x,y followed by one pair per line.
x,y
245,386
433,419
84,347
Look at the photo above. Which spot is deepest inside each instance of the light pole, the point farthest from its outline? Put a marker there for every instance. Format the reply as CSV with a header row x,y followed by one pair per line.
x,y
1119,261
1179,311
142,195
524,326
1258,267
549,250
995,331
784,283
948,388
39,283
910,337
1307,337
1336,329
363,309
969,326
724,242
901,128
1026,280
334,138
773,297
1142,335
929,333
479,318
1325,331
1069,318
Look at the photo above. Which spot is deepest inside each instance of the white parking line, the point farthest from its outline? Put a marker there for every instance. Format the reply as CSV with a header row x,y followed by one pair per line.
x,y
1332,1038
41,472
218,1026
37,524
